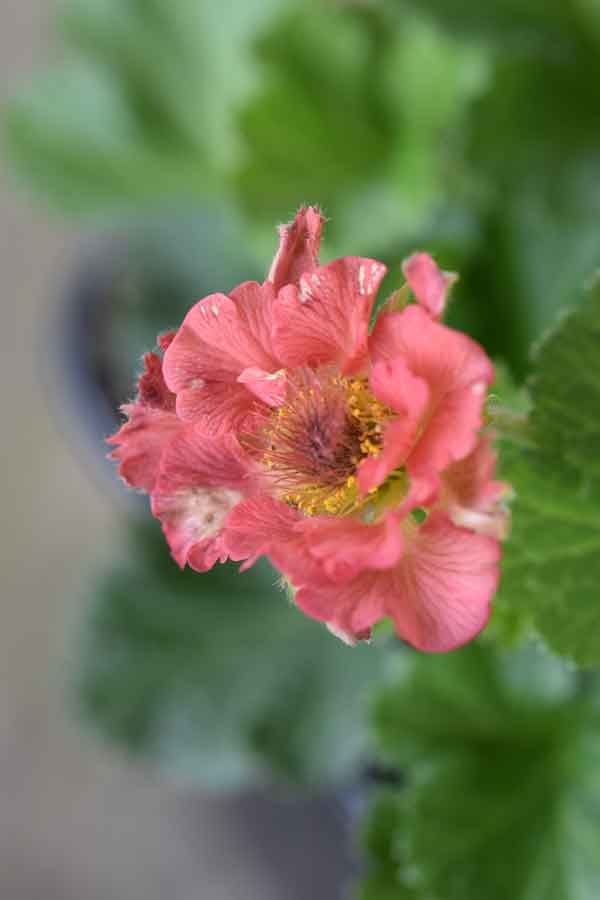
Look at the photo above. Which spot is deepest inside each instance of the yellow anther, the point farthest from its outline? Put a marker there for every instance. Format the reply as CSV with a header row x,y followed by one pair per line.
x,y
324,482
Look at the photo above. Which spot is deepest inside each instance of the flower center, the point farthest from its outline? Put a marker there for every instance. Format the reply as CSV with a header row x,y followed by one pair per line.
x,y
312,445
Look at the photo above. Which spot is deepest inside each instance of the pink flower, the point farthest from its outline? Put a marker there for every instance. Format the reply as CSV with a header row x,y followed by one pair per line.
x,y
277,424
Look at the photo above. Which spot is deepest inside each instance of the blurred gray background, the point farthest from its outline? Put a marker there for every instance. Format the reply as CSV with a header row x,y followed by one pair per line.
x,y
78,822
75,822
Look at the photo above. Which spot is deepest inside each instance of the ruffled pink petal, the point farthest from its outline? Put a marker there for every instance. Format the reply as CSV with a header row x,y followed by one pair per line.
x,y
345,546
263,526
196,460
326,318
398,439
165,340
457,372
340,589
472,497
192,522
394,384
349,610
152,388
439,595
270,387
151,424
221,336
451,432
217,406
298,251
255,307
201,479
319,548
428,283
140,443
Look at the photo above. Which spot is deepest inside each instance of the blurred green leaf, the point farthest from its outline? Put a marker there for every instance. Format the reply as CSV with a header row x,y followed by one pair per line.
x,y
315,125
359,112
472,696
72,136
216,677
565,388
506,393
506,22
141,112
429,81
534,148
384,856
589,13
551,566
183,65
503,799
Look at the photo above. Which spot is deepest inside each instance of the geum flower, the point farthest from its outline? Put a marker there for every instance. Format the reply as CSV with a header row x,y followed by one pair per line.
x,y
275,424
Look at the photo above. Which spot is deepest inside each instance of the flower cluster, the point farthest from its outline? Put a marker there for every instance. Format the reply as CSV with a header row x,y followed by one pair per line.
x,y
274,423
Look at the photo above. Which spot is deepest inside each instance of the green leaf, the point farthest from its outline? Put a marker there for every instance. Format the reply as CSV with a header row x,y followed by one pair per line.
x,y
141,111
217,678
566,388
314,127
74,139
589,13
384,855
551,567
533,148
372,105
428,83
505,22
205,69
503,796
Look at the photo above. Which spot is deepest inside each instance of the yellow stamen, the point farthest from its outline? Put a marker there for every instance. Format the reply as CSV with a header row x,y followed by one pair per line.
x,y
312,446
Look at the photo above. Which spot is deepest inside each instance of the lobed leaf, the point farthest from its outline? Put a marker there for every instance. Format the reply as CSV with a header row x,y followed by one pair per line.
x,y
551,567
217,678
503,796
371,103
141,113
